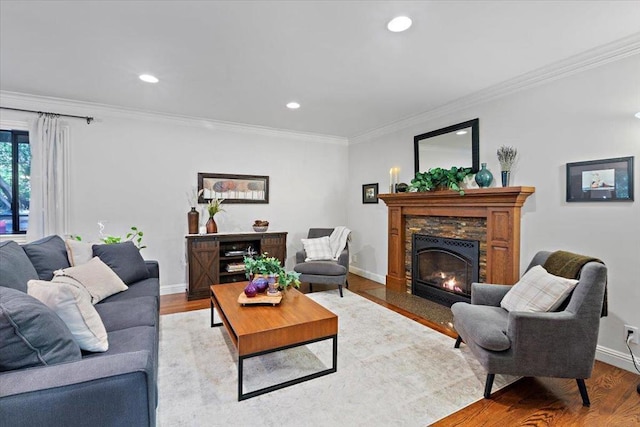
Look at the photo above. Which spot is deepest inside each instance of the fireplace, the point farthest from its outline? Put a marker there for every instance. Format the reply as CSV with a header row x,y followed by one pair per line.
x,y
498,210
444,268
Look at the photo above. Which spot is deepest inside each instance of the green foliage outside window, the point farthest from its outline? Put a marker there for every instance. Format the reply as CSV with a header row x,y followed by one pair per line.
x,y
15,164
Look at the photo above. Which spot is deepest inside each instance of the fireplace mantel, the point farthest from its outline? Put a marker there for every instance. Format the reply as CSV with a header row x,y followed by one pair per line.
x,y
500,206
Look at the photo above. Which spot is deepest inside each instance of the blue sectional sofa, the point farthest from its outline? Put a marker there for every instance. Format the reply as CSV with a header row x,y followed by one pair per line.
x,y
45,380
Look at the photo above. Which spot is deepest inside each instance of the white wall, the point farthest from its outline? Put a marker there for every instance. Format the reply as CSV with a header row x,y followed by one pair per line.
x,y
585,116
135,169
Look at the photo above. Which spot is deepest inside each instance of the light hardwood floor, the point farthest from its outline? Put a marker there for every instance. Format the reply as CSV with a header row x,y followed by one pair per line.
x,y
527,402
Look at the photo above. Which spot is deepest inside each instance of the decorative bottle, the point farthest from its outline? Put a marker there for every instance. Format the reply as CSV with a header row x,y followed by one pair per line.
x,y
484,176
193,219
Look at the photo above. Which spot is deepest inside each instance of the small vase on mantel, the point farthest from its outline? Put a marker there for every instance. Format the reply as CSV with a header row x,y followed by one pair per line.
x,y
484,177
211,225
506,176
193,219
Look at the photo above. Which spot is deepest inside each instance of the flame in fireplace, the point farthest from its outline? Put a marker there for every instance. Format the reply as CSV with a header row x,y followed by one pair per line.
x,y
446,280
450,283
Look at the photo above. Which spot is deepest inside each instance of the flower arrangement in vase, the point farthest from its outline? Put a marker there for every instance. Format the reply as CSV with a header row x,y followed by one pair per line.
x,y
213,207
507,157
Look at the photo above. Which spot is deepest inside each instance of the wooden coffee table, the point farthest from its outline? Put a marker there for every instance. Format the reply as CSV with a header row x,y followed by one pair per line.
x,y
261,329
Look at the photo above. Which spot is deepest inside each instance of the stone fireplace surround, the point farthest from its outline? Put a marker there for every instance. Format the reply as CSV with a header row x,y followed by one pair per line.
x,y
489,215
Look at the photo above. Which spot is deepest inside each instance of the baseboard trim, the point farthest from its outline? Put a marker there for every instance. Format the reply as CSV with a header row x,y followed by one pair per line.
x,y
615,358
178,288
367,275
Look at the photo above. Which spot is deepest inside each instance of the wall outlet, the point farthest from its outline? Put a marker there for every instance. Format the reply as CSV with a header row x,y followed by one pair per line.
x,y
635,338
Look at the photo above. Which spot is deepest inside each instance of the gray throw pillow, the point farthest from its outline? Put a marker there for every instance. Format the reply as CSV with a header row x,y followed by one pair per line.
x,y
124,259
47,255
15,267
32,334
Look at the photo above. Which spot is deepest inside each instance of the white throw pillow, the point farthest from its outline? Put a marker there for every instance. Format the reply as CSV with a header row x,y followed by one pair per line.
x,y
96,276
72,303
318,249
78,252
538,291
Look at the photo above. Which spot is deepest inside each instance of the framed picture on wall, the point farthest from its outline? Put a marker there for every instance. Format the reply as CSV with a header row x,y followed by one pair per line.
x,y
607,180
233,188
370,193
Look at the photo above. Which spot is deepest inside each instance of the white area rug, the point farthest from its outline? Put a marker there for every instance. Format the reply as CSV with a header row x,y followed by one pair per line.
x,y
392,371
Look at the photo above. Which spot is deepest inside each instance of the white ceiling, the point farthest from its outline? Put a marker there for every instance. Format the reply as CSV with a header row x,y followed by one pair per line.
x,y
242,61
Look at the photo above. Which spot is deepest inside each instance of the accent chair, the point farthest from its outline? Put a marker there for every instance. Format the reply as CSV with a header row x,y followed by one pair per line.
x,y
323,272
560,343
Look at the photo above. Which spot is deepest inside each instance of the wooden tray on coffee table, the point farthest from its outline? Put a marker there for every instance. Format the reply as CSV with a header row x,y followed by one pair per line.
x,y
260,299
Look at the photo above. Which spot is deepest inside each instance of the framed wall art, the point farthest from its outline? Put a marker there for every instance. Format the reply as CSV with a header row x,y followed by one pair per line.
x,y
370,193
233,188
607,180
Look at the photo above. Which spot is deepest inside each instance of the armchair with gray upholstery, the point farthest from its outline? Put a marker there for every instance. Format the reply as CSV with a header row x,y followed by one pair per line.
x,y
323,272
560,343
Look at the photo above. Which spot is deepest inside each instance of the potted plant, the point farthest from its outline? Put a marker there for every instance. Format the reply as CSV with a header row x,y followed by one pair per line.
x,y
288,278
271,268
439,178
261,264
506,157
213,207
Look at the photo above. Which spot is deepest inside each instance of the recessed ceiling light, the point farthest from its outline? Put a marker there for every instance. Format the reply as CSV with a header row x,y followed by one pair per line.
x,y
638,114
399,24
148,78
461,132
293,105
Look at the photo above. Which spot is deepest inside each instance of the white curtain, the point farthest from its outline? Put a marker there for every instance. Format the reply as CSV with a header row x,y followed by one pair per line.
x,y
48,211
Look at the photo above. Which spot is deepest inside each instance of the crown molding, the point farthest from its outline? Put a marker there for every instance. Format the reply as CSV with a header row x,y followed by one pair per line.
x,y
100,111
592,58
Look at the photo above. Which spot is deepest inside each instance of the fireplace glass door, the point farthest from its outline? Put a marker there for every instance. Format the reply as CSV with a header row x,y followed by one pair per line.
x,y
443,269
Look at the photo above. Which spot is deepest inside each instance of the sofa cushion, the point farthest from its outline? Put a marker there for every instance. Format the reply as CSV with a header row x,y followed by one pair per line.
x,y
143,288
124,259
317,249
15,267
484,325
321,268
31,333
95,276
538,291
78,252
47,255
116,315
137,338
72,303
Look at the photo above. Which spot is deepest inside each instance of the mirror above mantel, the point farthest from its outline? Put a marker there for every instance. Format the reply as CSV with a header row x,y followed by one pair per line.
x,y
455,145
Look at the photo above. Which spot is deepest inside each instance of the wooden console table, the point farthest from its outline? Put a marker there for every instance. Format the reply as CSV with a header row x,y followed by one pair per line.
x,y
208,256
500,206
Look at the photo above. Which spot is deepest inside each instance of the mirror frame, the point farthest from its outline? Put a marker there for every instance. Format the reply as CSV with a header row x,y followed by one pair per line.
x,y
475,142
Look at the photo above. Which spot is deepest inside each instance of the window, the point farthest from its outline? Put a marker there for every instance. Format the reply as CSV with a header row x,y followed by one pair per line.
x,y
15,185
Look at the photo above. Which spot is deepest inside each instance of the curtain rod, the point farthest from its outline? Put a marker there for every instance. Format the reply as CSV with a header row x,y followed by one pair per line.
x,y
87,118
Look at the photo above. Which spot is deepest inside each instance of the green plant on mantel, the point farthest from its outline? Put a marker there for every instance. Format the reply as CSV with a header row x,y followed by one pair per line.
x,y
439,178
